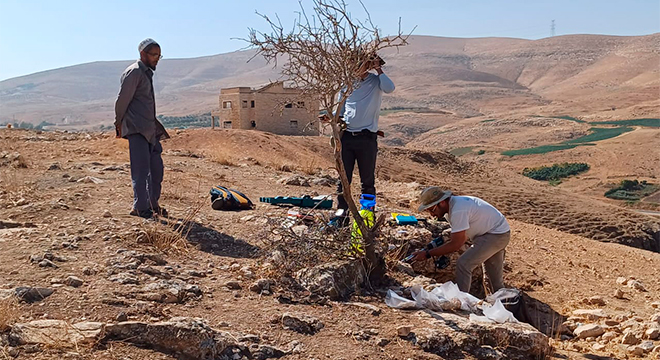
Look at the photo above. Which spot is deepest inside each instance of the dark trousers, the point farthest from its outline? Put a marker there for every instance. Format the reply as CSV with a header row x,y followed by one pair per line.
x,y
363,148
146,172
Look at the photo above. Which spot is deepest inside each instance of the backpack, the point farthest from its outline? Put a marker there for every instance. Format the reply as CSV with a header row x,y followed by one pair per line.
x,y
226,199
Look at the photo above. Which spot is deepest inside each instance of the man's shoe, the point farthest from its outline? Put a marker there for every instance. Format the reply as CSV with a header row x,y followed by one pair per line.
x,y
160,211
147,214
339,221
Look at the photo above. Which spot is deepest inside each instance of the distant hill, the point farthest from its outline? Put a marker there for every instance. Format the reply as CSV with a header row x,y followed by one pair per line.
x,y
576,74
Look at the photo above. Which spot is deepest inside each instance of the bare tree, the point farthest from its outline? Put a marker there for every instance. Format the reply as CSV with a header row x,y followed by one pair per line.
x,y
323,53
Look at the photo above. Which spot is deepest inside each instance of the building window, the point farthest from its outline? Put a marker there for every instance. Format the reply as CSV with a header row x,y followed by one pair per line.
x,y
244,104
293,124
253,124
300,104
226,104
226,125
252,103
288,106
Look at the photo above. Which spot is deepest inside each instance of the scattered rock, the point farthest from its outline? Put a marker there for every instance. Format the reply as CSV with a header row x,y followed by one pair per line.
x,y
55,166
588,330
619,294
655,318
262,285
121,317
405,268
635,350
233,285
637,285
598,347
169,291
629,339
47,263
303,324
383,342
375,310
336,279
88,271
295,180
90,180
590,314
453,336
647,346
188,337
32,294
610,322
107,214
652,333
55,333
622,280
73,281
609,336
125,278
403,330
263,352
595,300
655,304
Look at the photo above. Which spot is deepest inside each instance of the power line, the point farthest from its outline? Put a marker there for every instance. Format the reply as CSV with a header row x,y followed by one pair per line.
x,y
552,28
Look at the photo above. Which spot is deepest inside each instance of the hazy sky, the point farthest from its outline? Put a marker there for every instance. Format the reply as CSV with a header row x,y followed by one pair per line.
x,y
47,34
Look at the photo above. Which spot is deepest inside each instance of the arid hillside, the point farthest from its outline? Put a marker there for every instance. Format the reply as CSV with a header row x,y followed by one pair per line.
x,y
576,74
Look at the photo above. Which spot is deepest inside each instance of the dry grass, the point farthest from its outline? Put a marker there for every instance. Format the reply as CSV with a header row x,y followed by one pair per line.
x,y
8,312
221,157
170,235
310,167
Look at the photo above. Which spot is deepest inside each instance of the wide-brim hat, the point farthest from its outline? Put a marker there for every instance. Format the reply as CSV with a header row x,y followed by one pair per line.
x,y
432,196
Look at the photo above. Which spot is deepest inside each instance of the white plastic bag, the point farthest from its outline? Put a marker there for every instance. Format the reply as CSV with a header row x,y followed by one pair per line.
x,y
427,300
450,291
392,299
498,313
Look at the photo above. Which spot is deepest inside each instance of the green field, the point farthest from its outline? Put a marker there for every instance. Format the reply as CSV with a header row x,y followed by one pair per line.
x,y
461,151
631,190
556,171
597,134
488,120
634,122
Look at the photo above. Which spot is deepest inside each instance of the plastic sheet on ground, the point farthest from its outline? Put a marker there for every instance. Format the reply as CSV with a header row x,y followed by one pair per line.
x,y
448,297
450,291
496,313
398,302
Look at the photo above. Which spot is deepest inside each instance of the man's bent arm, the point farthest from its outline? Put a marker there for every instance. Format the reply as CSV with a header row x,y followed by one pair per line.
x,y
386,83
456,240
126,91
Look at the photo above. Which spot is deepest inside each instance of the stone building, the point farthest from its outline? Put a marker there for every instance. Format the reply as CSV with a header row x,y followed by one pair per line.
x,y
272,108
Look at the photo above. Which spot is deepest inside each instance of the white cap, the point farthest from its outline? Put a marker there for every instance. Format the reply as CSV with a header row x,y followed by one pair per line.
x,y
146,42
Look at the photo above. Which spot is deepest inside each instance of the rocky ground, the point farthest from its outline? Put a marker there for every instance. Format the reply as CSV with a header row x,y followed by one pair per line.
x,y
87,281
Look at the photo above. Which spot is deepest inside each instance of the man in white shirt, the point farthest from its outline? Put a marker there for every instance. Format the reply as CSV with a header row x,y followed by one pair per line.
x,y
470,218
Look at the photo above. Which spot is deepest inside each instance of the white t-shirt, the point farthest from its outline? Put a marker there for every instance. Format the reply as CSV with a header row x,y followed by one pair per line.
x,y
475,216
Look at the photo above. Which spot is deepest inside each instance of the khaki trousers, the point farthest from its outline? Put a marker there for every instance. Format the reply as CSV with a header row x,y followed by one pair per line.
x,y
487,249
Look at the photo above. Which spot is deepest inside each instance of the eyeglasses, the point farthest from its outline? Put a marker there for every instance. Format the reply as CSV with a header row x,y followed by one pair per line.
x,y
159,56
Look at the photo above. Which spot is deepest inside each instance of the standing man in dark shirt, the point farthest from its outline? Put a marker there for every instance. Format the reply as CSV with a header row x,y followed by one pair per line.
x,y
135,120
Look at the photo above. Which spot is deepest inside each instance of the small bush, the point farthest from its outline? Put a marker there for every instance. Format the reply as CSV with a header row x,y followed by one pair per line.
x,y
631,190
8,312
555,172
481,152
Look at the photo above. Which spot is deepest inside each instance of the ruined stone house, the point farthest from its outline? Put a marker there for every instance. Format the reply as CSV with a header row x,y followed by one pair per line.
x,y
272,108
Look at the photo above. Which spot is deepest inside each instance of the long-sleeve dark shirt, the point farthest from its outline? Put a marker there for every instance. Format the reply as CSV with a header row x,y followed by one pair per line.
x,y
135,108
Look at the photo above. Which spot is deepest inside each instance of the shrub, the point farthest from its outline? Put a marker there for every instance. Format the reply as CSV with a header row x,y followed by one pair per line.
x,y
555,172
631,190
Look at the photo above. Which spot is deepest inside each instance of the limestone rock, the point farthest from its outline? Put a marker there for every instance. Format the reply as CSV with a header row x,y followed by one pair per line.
x,y
32,294
629,339
73,281
590,314
295,180
403,330
375,310
55,333
652,333
191,338
336,279
262,285
655,318
609,336
263,352
647,346
589,330
619,294
596,300
635,350
637,285
233,285
622,280
303,324
453,336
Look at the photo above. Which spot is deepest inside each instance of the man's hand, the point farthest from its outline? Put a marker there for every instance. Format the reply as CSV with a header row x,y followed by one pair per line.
x,y
325,118
419,256
118,131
